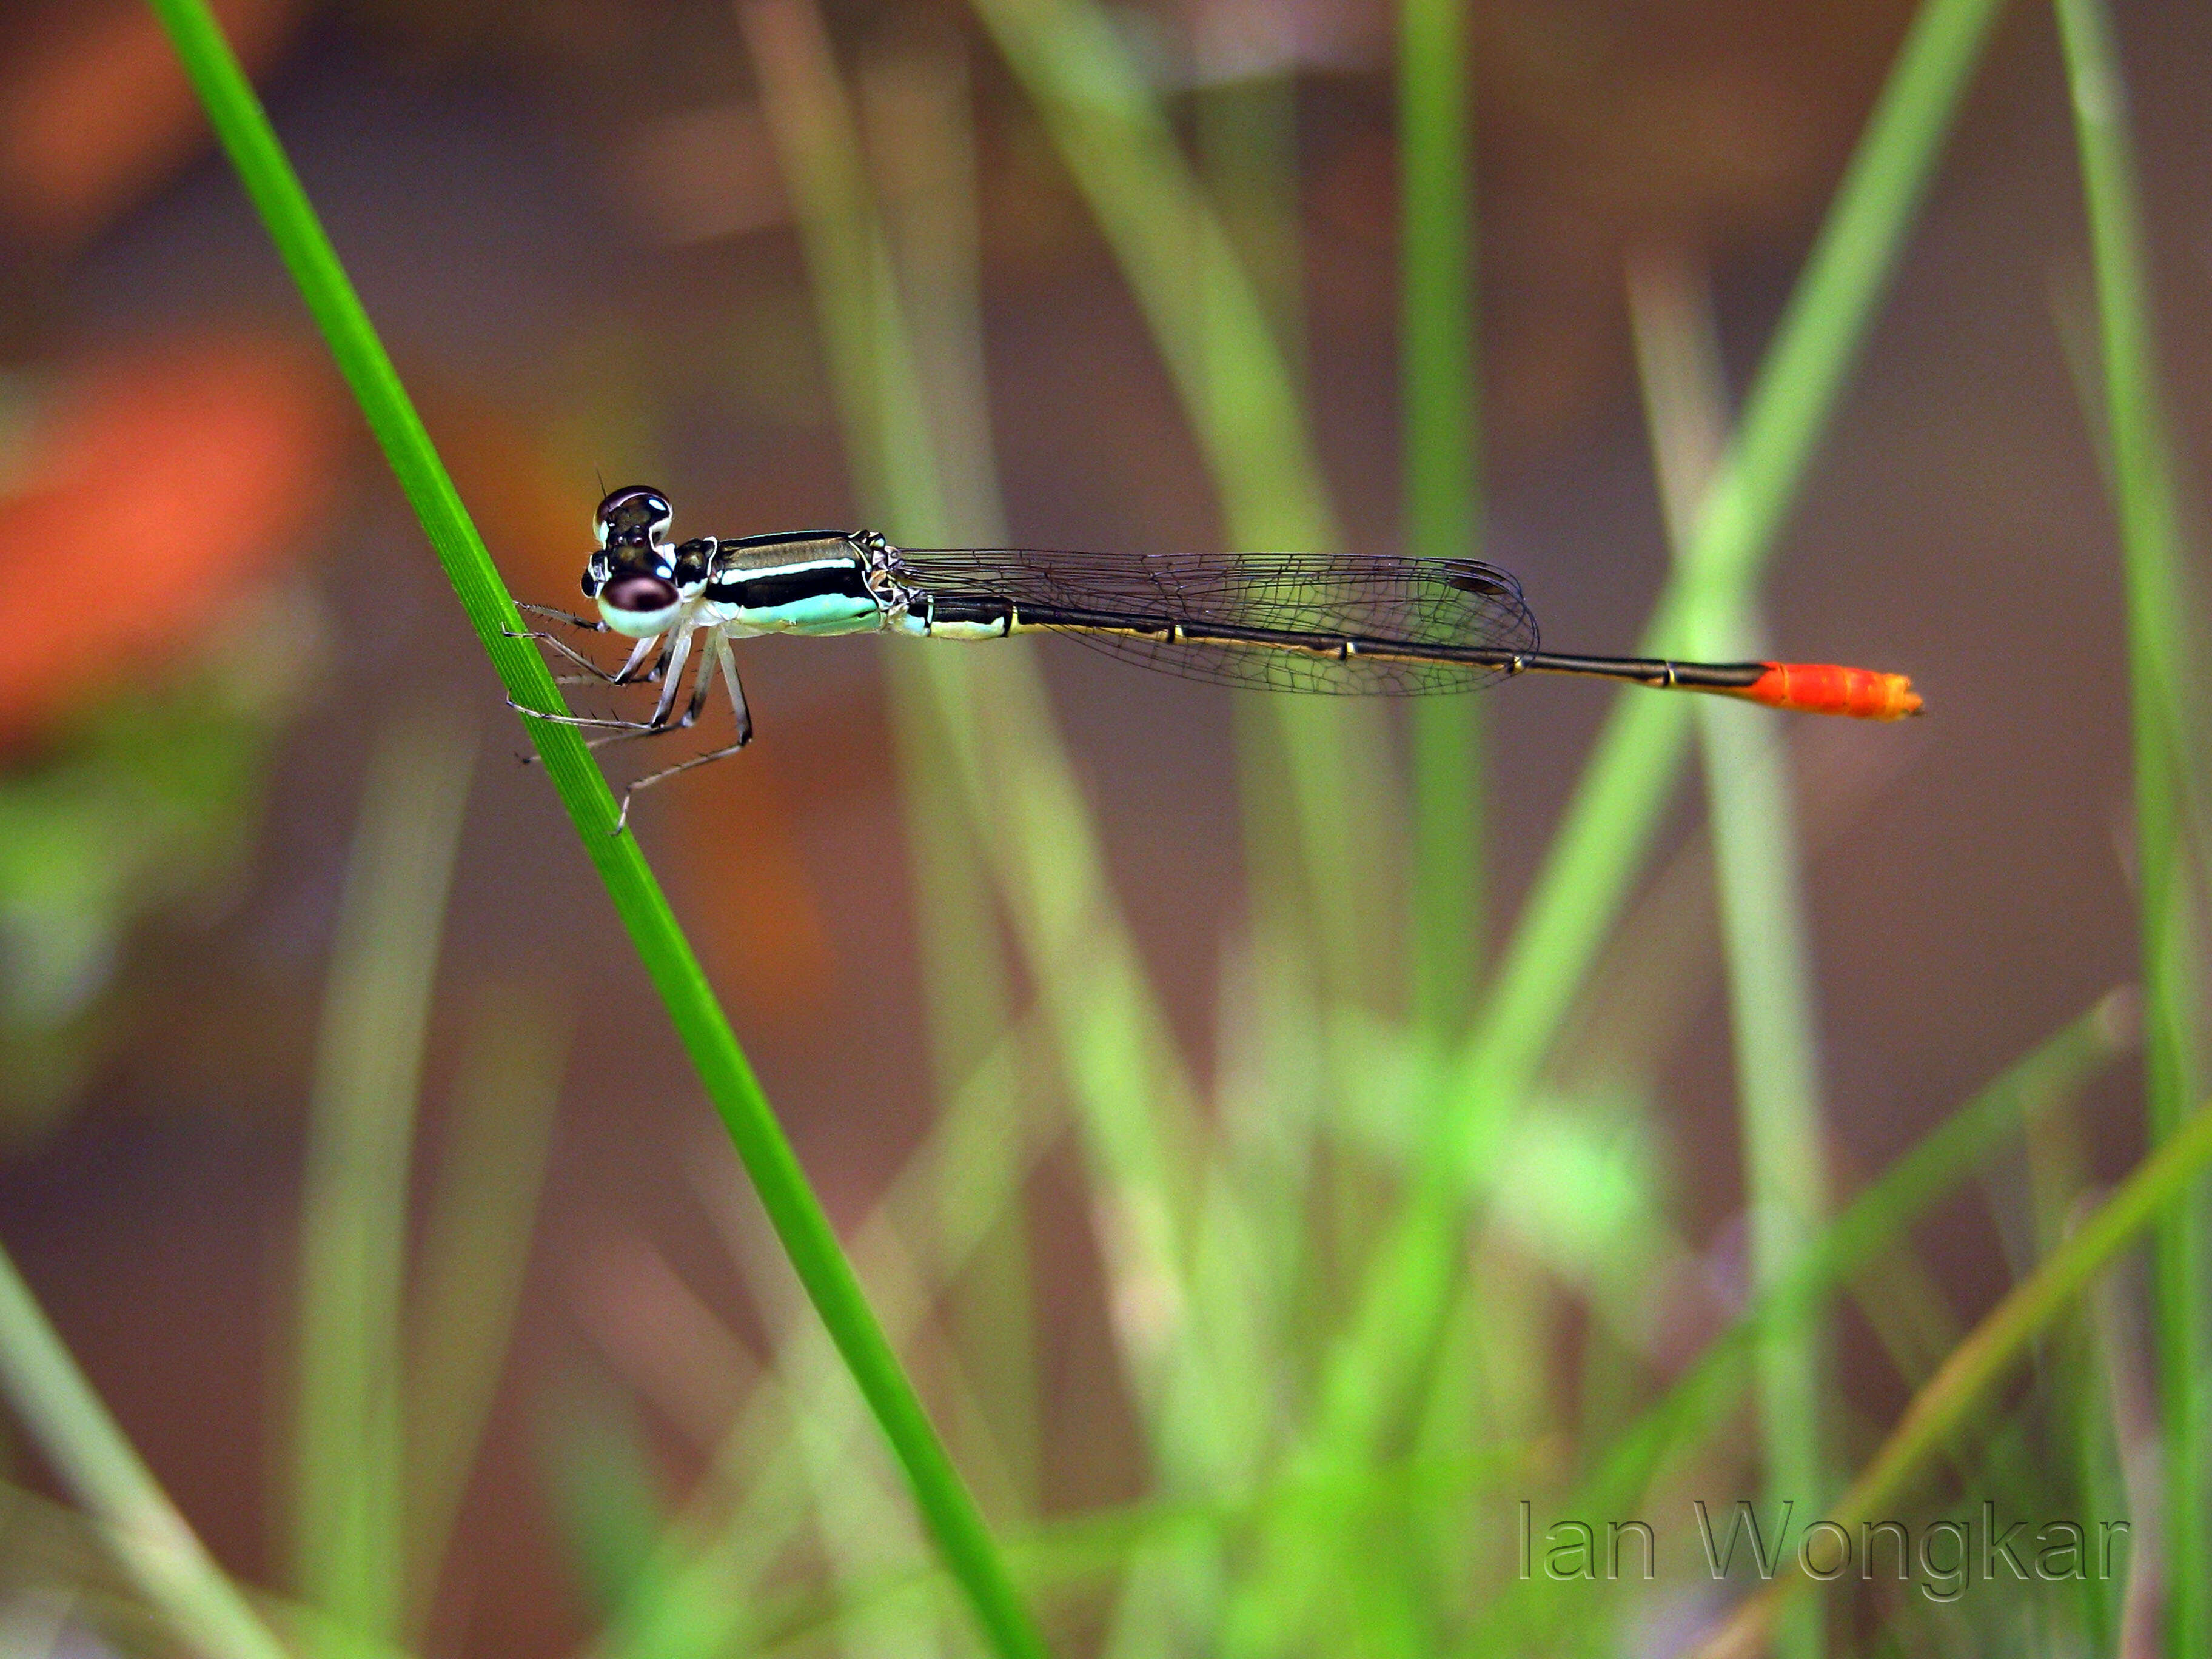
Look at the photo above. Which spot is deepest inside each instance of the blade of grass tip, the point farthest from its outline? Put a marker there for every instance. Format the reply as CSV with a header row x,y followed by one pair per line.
x,y
1939,1412
1441,435
2167,740
243,127
1752,809
102,1471
476,1246
1614,813
348,1525
1705,1396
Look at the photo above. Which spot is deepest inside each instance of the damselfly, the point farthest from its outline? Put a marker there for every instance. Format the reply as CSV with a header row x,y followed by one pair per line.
x,y
1288,622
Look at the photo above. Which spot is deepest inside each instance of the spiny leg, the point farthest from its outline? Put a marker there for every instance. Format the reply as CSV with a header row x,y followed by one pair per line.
x,y
604,676
590,722
589,624
626,675
726,662
674,660
702,683
587,722
647,729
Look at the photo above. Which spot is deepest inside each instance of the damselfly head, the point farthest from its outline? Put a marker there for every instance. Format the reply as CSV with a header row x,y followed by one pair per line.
x,y
633,574
636,513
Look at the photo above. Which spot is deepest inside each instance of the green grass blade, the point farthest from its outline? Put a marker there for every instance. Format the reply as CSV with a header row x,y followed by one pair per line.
x,y
476,1247
102,1471
1703,1398
1939,1412
1441,436
1609,823
1244,134
348,1525
858,1532
948,1509
602,1486
1756,863
2167,741
697,1592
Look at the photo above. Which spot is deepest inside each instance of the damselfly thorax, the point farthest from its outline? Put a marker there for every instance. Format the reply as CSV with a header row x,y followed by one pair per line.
x,y
1291,622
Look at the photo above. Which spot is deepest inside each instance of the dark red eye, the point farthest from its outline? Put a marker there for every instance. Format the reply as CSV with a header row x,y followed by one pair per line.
x,y
638,592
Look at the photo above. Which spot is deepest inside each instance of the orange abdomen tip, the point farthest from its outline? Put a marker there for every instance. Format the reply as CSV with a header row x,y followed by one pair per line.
x,y
1820,688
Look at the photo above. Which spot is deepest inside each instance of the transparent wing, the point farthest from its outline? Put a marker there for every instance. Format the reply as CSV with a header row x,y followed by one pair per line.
x,y
1437,601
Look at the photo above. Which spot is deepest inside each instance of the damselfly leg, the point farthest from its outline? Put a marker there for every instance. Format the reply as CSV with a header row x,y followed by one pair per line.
x,y
726,660
715,657
703,684
626,675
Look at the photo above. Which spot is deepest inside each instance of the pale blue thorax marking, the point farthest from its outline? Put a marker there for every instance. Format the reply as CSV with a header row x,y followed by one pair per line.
x,y
816,619
819,615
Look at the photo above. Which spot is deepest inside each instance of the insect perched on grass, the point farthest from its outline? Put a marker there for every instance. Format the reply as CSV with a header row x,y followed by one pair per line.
x,y
1288,622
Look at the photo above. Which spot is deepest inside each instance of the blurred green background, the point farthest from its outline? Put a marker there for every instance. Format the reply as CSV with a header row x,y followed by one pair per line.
x,y
1287,1137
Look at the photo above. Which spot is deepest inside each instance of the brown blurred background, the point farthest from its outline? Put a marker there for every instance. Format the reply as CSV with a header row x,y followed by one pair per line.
x,y
567,220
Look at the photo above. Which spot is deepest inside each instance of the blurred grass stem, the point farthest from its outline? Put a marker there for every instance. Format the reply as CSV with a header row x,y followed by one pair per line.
x,y
350,1526
1240,392
2169,741
1442,442
1756,865
1703,1398
87,1449
917,108
475,1251
1938,1412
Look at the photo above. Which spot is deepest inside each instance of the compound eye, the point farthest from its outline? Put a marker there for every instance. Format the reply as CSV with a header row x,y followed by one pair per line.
x,y
633,507
640,593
